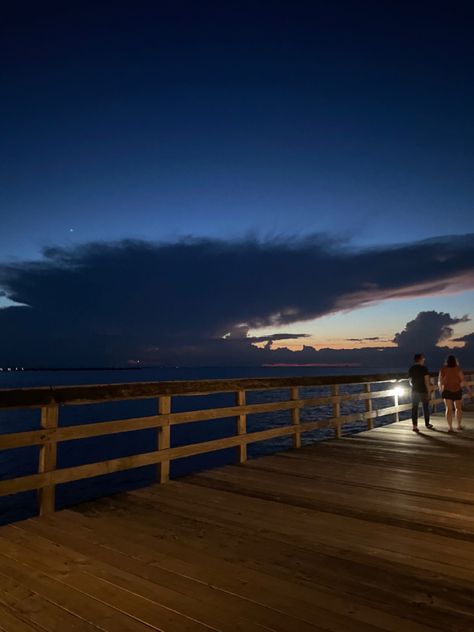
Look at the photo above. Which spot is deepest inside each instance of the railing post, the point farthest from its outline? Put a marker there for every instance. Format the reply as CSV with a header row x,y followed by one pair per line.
x,y
47,459
295,418
336,408
164,442
368,406
241,426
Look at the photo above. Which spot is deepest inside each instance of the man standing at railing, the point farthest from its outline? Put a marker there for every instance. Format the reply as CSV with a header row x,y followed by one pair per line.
x,y
420,390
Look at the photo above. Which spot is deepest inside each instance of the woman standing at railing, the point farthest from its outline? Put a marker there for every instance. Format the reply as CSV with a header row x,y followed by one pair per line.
x,y
450,383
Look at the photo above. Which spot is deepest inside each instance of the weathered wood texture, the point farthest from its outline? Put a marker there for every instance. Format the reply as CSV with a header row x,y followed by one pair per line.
x,y
368,533
47,458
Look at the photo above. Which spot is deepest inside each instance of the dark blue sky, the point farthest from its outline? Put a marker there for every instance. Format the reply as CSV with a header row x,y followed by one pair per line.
x,y
305,150
161,119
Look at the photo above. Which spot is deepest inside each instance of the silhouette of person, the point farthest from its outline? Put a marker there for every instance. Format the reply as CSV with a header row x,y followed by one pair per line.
x,y
420,390
450,383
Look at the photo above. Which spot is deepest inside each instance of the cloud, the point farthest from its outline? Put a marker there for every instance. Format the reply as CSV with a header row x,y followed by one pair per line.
x,y
468,339
274,337
363,339
108,303
269,340
427,330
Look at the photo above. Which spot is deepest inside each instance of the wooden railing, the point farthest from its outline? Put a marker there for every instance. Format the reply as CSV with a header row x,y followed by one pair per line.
x,y
51,399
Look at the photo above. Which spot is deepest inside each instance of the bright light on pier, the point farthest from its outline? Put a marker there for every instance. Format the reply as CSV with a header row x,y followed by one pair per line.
x,y
398,391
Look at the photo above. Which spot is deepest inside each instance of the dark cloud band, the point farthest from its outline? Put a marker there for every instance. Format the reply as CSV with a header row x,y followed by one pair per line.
x,y
110,302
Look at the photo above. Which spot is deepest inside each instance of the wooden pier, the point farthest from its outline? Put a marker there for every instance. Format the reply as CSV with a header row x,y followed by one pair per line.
x,y
360,533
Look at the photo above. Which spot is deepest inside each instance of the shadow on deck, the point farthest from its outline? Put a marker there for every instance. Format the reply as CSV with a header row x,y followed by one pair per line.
x,y
370,532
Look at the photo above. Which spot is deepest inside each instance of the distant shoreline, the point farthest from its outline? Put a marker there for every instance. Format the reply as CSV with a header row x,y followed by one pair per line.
x,y
75,368
336,365
139,368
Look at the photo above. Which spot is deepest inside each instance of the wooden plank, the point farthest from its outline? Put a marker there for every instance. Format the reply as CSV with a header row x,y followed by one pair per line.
x,y
368,405
178,490
11,621
40,609
37,481
86,394
66,475
260,586
49,478
37,437
295,418
180,592
416,513
63,555
44,436
241,426
228,411
387,507
265,551
22,439
175,563
262,598
309,528
164,439
59,577
44,396
336,409
87,430
372,477
282,567
47,459
226,505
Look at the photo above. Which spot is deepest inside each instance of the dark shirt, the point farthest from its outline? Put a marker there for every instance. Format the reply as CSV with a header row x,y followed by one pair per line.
x,y
417,374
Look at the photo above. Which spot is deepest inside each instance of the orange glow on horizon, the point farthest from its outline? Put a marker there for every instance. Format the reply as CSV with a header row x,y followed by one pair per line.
x,y
331,343
341,343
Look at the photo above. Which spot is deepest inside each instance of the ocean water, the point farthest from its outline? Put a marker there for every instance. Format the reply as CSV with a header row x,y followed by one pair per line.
x,y
24,461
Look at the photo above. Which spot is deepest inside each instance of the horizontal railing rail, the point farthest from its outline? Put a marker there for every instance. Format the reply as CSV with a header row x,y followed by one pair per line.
x,y
95,393
51,400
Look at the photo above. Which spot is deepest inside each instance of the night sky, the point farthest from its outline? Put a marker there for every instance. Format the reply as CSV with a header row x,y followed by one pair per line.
x,y
236,182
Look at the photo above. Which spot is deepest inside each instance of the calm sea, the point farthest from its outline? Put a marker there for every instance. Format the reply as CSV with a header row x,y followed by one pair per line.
x,y
24,461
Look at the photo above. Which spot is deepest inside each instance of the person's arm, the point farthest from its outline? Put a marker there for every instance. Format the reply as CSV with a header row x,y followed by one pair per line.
x,y
440,382
428,385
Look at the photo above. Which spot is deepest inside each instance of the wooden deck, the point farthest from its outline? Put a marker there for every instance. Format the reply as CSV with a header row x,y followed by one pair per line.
x,y
372,532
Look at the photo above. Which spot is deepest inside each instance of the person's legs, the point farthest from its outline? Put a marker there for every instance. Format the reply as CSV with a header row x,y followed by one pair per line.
x,y
415,402
458,405
449,412
426,410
